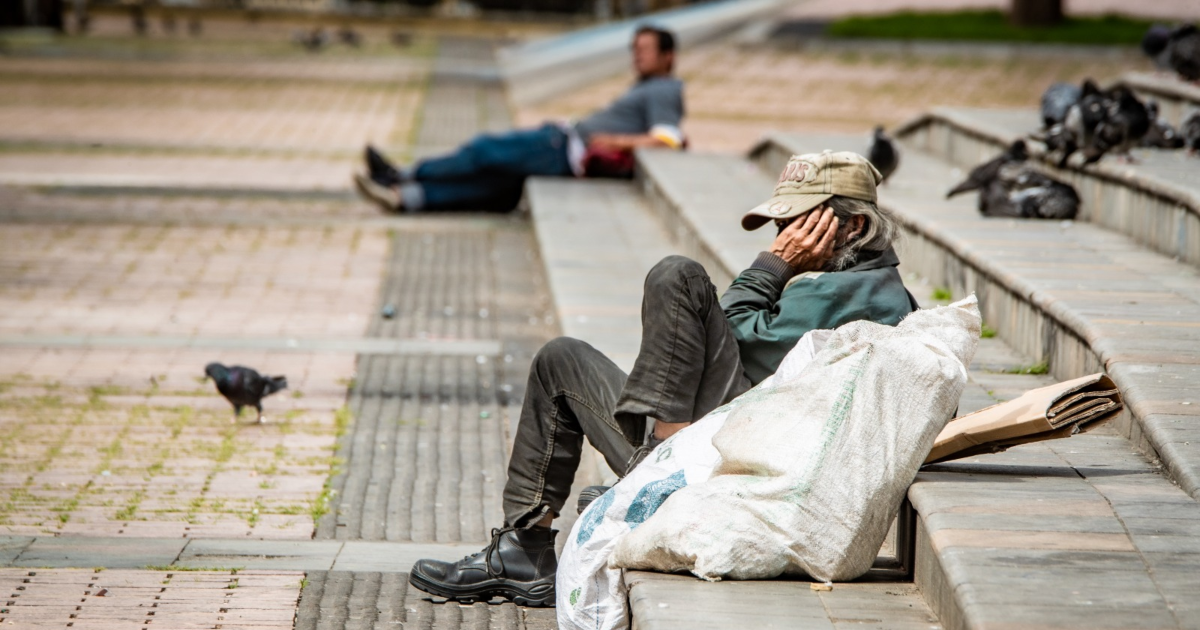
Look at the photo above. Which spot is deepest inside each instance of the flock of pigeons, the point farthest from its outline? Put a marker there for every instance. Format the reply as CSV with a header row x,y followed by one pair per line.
x,y
1083,119
1093,122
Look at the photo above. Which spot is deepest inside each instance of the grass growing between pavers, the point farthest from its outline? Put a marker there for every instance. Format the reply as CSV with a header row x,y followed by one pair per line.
x,y
989,26
109,460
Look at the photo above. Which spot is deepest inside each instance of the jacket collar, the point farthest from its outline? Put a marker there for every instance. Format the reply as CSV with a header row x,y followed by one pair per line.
x,y
878,260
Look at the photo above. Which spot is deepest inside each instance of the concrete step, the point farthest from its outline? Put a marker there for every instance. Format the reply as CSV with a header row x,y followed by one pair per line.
x,y
597,241
1176,98
1156,200
1048,534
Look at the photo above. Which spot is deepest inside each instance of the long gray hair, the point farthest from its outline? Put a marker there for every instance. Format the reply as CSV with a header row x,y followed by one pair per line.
x,y
879,231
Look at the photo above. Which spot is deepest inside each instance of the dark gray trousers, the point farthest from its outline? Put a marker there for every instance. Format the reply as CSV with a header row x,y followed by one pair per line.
x,y
688,365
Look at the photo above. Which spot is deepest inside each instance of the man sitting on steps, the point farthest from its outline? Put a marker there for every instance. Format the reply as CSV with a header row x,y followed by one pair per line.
x,y
488,173
831,263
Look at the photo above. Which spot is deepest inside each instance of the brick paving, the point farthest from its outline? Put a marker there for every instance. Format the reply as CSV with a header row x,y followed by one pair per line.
x,y
95,599
735,95
247,111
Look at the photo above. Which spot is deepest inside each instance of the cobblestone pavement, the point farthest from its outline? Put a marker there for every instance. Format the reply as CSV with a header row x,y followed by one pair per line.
x,y
735,95
94,599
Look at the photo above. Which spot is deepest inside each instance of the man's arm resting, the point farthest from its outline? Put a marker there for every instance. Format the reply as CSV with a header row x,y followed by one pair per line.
x,y
659,136
624,142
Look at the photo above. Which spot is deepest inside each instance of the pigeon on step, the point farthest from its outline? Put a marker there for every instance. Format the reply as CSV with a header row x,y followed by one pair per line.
x,y
983,174
1184,49
1021,191
243,386
883,153
1125,122
1056,100
1156,45
1190,130
1079,125
1161,134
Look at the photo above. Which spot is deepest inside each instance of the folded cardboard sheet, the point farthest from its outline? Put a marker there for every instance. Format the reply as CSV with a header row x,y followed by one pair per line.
x,y
1057,411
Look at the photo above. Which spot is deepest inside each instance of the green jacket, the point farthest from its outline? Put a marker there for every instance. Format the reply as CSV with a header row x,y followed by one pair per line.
x,y
770,310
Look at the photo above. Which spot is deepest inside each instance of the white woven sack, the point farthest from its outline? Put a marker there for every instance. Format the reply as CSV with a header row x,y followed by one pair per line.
x,y
813,472
591,595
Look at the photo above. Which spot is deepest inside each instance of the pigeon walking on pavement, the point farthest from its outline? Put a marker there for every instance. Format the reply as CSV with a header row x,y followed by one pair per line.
x,y
1161,134
243,386
883,153
983,174
1056,100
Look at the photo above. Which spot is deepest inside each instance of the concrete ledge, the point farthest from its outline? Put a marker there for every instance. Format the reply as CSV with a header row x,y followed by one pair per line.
x,y
1157,202
1176,98
1062,534
545,68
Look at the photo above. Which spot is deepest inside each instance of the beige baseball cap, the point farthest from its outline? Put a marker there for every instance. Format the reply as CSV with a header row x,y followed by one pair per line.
x,y
809,180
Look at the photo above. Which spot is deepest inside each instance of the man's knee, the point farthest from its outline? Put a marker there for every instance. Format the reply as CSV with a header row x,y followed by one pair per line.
x,y
558,352
671,271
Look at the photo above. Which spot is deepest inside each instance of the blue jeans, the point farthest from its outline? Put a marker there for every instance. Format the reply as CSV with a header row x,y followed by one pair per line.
x,y
488,173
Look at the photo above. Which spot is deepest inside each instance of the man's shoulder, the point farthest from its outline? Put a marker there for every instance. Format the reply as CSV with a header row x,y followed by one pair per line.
x,y
661,85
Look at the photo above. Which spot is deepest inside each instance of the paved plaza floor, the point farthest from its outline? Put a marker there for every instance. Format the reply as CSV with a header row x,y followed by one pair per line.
x,y
174,200
192,204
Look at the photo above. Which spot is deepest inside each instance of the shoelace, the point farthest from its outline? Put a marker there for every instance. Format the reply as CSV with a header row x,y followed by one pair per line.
x,y
497,532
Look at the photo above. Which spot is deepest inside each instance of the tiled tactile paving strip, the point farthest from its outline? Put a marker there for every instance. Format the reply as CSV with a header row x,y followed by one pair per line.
x,y
427,456
92,599
345,600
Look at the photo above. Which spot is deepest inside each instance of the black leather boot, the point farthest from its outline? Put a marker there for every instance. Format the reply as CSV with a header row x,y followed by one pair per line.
x,y
518,565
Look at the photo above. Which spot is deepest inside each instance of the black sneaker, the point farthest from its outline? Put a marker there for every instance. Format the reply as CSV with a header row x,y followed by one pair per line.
x,y
380,169
587,495
518,565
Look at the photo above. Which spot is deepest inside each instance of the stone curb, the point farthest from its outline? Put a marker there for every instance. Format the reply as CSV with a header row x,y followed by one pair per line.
x,y
1119,198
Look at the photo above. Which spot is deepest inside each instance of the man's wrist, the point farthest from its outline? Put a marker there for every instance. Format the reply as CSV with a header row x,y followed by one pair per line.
x,y
774,265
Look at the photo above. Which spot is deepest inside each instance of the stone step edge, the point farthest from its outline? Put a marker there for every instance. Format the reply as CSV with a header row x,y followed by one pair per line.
x,y
593,469
1067,341
1101,170
1113,197
1176,98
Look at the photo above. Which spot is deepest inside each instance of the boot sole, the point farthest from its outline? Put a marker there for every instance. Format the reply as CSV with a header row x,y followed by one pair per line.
x,y
538,594
383,196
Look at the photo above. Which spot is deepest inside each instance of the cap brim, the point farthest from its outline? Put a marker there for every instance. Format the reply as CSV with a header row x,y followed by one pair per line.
x,y
798,204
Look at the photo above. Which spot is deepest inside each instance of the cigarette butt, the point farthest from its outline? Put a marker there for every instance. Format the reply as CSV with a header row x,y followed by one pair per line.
x,y
817,586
